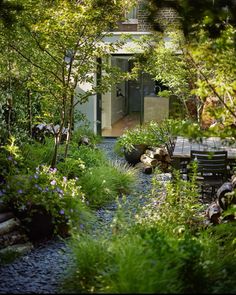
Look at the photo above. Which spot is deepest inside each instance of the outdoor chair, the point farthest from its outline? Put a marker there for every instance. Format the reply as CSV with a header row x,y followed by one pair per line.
x,y
211,169
170,146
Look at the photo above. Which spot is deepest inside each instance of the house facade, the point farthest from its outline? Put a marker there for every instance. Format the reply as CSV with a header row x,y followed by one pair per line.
x,y
132,102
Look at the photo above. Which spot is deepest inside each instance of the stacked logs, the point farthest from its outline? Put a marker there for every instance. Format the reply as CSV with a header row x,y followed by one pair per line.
x,y
152,158
225,198
13,238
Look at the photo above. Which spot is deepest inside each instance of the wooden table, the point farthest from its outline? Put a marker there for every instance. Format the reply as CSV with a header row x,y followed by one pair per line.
x,y
184,145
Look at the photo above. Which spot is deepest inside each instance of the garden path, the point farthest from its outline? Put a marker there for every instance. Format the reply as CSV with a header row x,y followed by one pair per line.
x,y
41,270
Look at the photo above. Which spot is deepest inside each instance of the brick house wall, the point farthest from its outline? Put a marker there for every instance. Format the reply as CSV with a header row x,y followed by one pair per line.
x,y
165,17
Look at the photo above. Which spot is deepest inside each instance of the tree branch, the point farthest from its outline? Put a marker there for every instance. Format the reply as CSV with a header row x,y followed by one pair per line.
x,y
34,64
210,85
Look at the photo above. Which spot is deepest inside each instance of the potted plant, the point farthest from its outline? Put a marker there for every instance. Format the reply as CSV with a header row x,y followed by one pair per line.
x,y
46,202
133,142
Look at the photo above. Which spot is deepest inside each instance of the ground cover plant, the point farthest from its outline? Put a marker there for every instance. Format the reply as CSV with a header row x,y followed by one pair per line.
x,y
66,195
164,248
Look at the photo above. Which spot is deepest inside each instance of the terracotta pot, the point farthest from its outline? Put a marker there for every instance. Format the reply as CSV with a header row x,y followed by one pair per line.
x,y
133,156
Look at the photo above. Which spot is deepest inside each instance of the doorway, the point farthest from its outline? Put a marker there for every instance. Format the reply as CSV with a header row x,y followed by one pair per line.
x,y
122,107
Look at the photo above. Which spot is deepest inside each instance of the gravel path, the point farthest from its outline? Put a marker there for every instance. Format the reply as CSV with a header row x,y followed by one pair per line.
x,y
41,270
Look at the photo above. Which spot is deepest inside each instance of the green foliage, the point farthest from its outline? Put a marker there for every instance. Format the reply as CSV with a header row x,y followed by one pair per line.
x,y
91,156
36,153
10,158
150,134
102,184
164,248
218,258
61,197
9,256
87,132
164,93
71,167
144,134
92,255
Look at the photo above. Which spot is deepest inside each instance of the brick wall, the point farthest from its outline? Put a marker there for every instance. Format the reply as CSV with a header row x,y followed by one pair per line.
x,y
166,16
142,15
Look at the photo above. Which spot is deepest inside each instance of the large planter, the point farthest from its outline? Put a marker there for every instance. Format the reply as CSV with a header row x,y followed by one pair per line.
x,y
133,156
38,223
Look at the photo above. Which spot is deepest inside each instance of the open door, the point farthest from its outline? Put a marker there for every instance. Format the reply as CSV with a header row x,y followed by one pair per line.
x,y
122,108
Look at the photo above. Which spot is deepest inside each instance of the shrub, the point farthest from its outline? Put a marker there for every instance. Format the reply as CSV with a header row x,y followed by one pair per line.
x,y
36,153
102,184
91,254
71,167
62,198
149,134
89,155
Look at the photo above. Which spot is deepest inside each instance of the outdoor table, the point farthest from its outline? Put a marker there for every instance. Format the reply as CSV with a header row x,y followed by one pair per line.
x,y
184,145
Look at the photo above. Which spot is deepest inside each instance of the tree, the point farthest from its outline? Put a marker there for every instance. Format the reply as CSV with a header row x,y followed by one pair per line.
x,y
214,14
61,41
8,11
203,58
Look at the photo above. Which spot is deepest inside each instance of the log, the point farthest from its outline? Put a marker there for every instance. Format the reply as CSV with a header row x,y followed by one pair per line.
x,y
150,153
84,140
148,161
147,169
153,154
167,159
9,225
213,213
159,150
233,181
222,198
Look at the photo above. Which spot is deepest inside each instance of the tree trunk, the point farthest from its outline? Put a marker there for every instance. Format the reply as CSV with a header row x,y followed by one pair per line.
x,y
56,145
70,124
29,112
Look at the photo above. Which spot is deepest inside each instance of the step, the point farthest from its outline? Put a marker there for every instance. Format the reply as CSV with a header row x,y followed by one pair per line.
x,y
14,237
9,225
5,216
17,248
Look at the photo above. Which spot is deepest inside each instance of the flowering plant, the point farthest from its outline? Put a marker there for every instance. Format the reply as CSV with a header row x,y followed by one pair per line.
x,y
62,198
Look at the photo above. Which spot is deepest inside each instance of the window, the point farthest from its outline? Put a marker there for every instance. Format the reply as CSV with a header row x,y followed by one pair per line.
x,y
131,15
